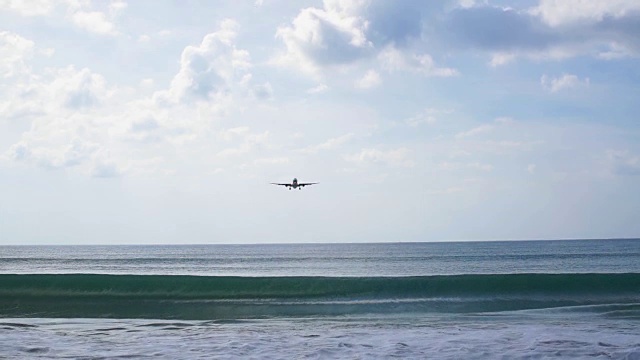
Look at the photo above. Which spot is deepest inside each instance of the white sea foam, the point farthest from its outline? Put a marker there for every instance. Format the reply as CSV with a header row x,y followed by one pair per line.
x,y
457,337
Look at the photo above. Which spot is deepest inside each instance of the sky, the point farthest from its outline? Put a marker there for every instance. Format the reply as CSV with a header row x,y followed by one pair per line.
x,y
164,122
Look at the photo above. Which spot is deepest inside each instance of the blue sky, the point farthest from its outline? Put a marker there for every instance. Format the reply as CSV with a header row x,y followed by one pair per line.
x,y
129,122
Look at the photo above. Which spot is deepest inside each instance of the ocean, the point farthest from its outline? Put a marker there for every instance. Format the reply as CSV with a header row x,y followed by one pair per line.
x,y
449,300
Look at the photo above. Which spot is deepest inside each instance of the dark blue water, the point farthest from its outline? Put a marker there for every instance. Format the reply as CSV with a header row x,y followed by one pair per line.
x,y
392,259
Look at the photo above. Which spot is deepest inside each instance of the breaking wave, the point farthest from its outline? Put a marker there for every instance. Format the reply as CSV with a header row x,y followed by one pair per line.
x,y
228,297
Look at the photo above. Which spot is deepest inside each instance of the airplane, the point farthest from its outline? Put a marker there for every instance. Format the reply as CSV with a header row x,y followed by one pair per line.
x,y
295,184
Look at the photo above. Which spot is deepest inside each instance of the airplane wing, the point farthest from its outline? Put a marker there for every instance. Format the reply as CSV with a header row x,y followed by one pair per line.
x,y
281,184
305,184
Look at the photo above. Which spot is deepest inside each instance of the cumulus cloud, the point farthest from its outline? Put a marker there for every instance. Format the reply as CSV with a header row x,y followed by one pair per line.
x,y
15,51
81,123
117,6
28,8
343,32
393,59
370,80
211,68
318,89
566,12
55,148
332,35
550,31
80,88
94,21
566,81
54,93
73,89
76,12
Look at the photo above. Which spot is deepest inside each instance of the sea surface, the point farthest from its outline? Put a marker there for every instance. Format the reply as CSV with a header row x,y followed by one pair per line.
x,y
462,300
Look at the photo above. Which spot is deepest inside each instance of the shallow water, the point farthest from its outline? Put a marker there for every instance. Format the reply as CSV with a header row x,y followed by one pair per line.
x,y
456,337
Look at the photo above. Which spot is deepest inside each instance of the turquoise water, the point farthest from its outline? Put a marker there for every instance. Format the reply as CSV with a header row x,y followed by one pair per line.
x,y
534,299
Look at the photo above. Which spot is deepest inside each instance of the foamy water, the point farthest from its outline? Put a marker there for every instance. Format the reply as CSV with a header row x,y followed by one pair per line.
x,y
467,337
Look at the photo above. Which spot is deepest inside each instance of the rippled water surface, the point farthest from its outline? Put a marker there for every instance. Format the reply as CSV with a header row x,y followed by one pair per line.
x,y
533,300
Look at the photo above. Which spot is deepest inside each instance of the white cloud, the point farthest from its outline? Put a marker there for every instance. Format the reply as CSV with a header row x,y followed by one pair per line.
x,y
531,168
343,33
393,59
329,36
78,89
370,80
318,89
501,58
398,157
117,6
212,68
465,4
564,12
29,8
57,92
55,144
566,81
78,12
94,21
616,50
71,129
15,51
